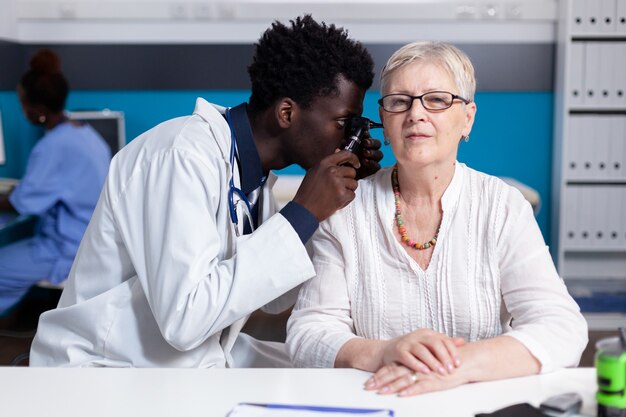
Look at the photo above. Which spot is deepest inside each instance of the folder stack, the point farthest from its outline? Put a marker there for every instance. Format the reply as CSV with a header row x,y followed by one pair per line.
x,y
590,146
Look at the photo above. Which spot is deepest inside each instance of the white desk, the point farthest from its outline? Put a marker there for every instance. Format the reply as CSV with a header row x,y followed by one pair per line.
x,y
52,392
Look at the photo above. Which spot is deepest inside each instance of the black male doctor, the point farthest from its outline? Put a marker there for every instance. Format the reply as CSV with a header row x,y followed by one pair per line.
x,y
185,241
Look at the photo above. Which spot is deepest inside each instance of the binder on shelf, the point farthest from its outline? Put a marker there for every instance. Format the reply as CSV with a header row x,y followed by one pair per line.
x,y
618,78
587,135
617,156
620,18
572,149
593,63
606,16
579,16
601,143
621,139
622,218
602,223
606,89
577,71
614,213
585,217
592,11
570,225
590,218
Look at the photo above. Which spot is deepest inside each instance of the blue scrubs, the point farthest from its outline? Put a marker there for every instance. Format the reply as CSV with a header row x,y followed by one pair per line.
x,y
62,183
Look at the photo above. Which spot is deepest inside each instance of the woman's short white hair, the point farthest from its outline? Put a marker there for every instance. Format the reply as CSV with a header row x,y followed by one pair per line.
x,y
449,57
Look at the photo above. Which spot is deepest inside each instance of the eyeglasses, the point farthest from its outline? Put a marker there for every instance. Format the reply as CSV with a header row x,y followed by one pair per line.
x,y
433,100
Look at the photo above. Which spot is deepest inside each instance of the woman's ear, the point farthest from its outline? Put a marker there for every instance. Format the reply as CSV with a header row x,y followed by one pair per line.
x,y
285,110
381,115
470,115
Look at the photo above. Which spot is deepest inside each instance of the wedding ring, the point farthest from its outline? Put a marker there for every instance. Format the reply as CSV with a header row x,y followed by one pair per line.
x,y
414,377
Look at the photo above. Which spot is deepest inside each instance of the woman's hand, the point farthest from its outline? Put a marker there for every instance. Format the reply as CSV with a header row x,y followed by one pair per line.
x,y
396,378
423,351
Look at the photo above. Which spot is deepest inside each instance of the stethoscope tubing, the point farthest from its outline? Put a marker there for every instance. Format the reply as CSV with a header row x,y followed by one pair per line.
x,y
232,190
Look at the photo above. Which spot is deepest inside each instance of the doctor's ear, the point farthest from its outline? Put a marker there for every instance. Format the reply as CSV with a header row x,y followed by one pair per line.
x,y
284,112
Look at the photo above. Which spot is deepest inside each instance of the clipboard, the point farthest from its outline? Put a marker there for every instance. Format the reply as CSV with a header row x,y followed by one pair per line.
x,y
284,410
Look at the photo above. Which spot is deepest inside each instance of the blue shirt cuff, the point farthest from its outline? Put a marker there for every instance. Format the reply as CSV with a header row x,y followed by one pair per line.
x,y
301,219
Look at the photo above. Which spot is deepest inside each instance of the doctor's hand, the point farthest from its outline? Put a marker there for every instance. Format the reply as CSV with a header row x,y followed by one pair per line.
x,y
330,185
369,155
425,351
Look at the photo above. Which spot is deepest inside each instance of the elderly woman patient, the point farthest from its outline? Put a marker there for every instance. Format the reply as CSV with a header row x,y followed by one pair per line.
x,y
436,274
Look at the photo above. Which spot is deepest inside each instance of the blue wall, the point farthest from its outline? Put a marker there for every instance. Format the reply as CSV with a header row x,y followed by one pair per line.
x,y
512,135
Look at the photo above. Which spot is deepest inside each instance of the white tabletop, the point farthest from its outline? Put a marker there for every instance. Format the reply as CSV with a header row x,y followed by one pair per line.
x,y
60,392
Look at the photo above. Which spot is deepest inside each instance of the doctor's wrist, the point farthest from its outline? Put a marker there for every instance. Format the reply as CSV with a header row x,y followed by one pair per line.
x,y
301,219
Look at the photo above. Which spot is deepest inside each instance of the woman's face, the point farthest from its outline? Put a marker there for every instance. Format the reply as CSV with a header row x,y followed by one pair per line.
x,y
423,137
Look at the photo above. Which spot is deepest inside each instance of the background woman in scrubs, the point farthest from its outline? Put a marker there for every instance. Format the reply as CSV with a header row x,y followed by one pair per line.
x,y
61,185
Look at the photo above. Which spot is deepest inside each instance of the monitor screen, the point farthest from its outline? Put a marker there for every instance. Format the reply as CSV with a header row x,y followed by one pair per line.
x,y
110,124
2,157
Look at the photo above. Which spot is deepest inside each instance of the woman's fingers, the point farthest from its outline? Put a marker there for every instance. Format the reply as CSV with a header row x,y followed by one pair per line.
x,y
425,354
453,352
431,383
401,383
422,386
391,379
411,361
386,375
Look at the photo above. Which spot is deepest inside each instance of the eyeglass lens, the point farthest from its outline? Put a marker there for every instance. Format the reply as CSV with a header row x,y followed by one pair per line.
x,y
437,100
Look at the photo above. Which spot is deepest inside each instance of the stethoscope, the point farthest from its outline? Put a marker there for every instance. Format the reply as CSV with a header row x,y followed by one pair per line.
x,y
232,190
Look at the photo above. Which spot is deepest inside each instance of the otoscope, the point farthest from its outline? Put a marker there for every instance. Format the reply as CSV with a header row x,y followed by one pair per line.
x,y
356,128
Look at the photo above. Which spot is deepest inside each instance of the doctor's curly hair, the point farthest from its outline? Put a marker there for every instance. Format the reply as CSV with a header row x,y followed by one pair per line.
x,y
303,62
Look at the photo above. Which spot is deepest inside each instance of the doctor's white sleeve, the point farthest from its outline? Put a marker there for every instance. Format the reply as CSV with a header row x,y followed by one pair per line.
x,y
171,214
546,320
321,322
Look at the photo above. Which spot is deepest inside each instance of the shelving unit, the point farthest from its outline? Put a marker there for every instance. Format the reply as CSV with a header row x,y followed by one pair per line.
x,y
589,178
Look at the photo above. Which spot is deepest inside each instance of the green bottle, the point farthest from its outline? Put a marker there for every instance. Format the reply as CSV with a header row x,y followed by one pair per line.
x,y
611,370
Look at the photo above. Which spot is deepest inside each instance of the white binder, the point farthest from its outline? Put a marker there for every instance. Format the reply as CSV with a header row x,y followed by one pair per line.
x,y
593,63
616,147
619,73
603,224
584,217
619,201
606,74
579,16
601,209
620,137
577,71
607,15
615,210
572,149
620,18
602,143
589,202
587,160
592,11
571,224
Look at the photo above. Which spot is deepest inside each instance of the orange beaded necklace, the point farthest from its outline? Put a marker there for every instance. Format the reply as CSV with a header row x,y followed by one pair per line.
x,y
401,228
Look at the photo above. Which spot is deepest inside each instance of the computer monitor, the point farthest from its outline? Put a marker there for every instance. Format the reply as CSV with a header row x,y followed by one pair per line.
x,y
2,157
110,124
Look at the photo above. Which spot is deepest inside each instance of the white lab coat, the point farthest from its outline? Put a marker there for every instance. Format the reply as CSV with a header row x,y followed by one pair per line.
x,y
160,278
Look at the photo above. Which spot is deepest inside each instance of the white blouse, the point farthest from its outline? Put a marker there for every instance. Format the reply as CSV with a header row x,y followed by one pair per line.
x,y
490,274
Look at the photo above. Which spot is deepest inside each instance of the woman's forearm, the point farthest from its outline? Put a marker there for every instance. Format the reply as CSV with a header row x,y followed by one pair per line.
x,y
361,354
497,358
